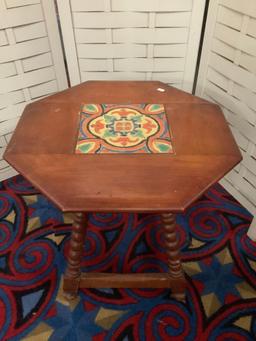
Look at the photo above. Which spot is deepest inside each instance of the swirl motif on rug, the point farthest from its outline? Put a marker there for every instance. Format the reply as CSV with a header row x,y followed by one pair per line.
x,y
218,257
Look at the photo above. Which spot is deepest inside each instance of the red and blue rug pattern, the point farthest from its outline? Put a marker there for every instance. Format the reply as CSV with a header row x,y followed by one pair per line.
x,y
218,257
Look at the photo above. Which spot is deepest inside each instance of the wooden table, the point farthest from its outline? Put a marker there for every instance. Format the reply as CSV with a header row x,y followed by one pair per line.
x,y
42,150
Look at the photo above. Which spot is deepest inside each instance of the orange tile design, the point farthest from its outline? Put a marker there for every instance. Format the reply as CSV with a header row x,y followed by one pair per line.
x,y
117,128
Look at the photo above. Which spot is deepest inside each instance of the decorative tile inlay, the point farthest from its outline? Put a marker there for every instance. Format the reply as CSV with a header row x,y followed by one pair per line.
x,y
118,128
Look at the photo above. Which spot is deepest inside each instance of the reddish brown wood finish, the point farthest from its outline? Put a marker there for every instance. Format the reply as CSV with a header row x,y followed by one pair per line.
x,y
172,245
73,272
42,149
145,280
172,250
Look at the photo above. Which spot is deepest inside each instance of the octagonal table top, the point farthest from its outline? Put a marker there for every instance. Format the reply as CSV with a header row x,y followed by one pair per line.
x,y
43,148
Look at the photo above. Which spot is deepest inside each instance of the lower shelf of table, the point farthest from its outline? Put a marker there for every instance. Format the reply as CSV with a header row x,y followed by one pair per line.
x,y
104,280
110,280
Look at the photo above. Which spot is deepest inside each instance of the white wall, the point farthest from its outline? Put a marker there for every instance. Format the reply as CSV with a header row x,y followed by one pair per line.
x,y
228,77
31,62
132,39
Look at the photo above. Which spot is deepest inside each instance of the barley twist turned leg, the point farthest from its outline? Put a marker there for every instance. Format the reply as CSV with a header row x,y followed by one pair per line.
x,y
73,271
172,249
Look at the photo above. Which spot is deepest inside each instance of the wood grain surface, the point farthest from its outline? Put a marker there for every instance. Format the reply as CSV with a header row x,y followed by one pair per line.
x,y
42,149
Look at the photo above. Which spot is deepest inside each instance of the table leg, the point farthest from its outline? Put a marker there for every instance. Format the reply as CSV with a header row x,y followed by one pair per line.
x,y
172,249
73,272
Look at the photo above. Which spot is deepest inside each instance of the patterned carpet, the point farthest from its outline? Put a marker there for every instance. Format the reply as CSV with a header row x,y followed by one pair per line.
x,y
219,259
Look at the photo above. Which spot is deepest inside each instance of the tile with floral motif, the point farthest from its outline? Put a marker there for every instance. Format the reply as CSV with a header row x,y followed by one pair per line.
x,y
123,128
